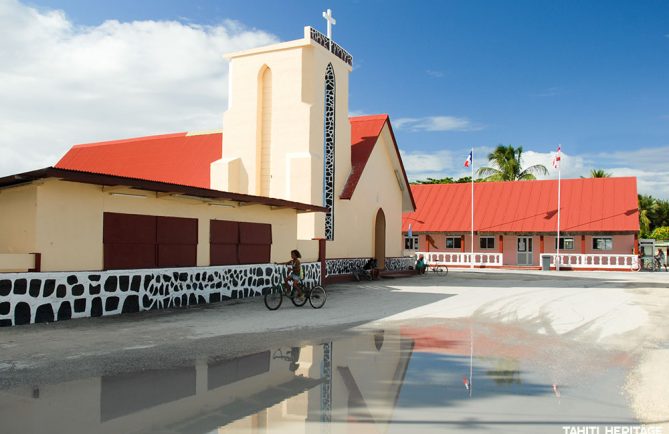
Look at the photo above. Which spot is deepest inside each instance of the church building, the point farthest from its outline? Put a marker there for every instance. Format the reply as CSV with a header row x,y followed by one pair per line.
x,y
177,219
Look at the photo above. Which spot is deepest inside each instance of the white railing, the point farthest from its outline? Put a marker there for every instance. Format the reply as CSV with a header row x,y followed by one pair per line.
x,y
463,259
604,261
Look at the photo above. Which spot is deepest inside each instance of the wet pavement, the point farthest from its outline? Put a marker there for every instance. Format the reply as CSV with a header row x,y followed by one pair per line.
x,y
410,376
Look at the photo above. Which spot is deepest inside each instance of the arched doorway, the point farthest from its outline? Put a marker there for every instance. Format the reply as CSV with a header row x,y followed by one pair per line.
x,y
380,239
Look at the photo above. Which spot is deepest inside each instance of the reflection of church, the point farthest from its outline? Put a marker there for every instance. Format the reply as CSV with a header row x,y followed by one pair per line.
x,y
357,379
146,218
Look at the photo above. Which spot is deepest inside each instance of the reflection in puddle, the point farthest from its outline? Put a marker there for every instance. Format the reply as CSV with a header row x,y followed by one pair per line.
x,y
444,377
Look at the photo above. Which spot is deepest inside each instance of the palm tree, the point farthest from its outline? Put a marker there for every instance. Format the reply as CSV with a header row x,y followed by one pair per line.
x,y
647,207
599,173
506,162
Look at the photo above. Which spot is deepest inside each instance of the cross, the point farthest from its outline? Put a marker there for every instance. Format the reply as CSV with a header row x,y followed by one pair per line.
x,y
331,22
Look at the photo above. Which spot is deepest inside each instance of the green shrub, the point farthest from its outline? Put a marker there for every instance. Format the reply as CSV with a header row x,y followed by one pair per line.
x,y
661,233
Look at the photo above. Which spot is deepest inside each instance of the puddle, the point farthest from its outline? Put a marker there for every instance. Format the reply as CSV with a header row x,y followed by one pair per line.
x,y
441,377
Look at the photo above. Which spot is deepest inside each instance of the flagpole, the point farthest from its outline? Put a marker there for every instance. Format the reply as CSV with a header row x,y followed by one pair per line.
x,y
557,262
471,259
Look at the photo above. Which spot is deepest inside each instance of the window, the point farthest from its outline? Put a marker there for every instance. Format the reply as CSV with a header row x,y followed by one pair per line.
x,y
132,241
453,242
411,243
487,242
565,243
602,244
233,243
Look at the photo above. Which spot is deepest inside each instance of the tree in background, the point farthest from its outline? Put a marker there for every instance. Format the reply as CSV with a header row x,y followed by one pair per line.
x,y
599,173
447,180
647,206
660,233
506,165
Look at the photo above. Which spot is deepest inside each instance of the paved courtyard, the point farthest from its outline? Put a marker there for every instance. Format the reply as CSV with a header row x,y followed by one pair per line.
x,y
573,313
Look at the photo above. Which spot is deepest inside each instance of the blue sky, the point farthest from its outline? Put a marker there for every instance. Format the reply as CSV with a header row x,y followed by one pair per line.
x,y
593,76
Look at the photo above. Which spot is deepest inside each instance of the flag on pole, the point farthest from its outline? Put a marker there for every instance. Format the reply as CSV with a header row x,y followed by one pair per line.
x,y
556,159
410,231
468,161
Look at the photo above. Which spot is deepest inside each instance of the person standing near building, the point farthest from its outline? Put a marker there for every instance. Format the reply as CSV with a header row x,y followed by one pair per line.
x,y
660,260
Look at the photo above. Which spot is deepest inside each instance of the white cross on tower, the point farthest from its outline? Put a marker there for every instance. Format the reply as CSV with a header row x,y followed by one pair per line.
x,y
331,22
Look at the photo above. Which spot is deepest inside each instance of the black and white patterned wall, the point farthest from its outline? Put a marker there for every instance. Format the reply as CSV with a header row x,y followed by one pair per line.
x,y
329,152
27,298
335,267
349,265
399,263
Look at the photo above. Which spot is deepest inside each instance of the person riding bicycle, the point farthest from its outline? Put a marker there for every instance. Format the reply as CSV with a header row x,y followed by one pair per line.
x,y
295,271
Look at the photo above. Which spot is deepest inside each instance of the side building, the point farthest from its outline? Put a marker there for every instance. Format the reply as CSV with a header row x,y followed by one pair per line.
x,y
516,224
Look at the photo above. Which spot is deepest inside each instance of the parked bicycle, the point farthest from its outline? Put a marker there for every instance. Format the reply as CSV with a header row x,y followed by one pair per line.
x,y
367,272
316,294
438,268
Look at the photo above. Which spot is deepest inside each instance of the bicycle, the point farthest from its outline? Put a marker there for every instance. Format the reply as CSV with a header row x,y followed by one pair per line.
x,y
361,273
438,269
316,295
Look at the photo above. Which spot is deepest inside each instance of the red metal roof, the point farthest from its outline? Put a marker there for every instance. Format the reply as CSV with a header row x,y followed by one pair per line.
x,y
587,205
365,131
171,158
185,160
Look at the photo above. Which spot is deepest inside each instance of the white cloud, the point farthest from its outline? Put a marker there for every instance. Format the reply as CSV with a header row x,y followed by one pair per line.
x,y
63,84
422,165
436,123
434,73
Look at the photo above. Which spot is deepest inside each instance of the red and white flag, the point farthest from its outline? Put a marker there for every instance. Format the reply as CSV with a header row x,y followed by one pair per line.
x,y
468,161
556,159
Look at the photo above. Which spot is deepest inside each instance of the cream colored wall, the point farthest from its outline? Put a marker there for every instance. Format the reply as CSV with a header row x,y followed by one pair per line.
x,y
18,207
355,219
298,75
70,218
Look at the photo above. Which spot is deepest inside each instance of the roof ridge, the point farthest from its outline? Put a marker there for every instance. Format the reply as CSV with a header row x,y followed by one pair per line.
x,y
130,140
381,116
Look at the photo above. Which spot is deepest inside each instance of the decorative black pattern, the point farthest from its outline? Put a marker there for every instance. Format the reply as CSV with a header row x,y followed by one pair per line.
x,y
399,264
27,298
332,46
326,385
329,152
335,267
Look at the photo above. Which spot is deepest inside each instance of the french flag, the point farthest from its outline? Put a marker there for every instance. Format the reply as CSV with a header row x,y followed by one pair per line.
x,y
468,161
556,158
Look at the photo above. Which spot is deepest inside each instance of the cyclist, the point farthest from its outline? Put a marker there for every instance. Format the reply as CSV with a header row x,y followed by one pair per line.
x,y
295,272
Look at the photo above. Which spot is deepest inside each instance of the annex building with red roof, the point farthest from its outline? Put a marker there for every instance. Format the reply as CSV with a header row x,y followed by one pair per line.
x,y
184,218
516,223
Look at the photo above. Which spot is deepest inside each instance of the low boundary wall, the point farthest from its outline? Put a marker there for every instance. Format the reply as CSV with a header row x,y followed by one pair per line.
x,y
27,298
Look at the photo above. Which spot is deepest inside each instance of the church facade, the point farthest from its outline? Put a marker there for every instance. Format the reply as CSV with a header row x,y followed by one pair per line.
x,y
178,219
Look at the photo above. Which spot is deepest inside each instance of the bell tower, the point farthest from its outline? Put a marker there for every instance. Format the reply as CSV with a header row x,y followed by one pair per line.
x,y
286,132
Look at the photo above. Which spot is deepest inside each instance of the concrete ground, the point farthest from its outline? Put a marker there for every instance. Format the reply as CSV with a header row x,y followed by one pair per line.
x,y
611,310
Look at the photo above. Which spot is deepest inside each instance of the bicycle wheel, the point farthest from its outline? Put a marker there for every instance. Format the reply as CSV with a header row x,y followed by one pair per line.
x,y
445,270
317,297
274,298
299,301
